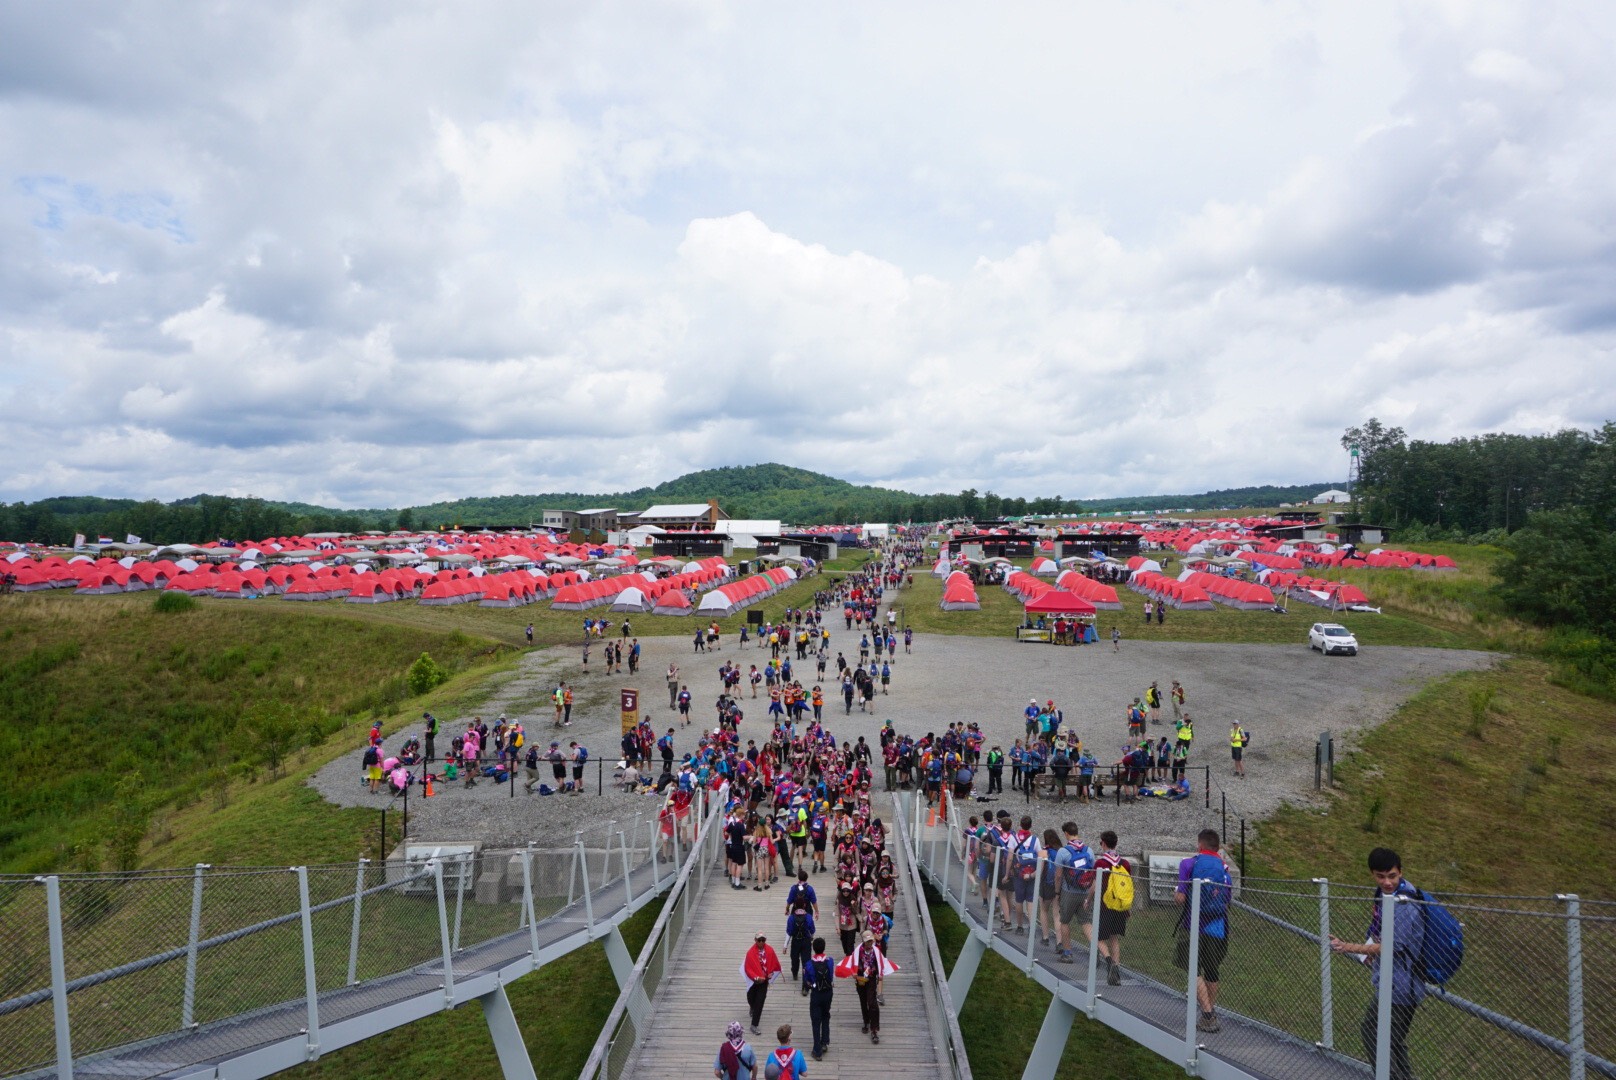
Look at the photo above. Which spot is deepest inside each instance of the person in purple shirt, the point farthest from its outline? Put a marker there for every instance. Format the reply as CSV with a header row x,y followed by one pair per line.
x,y
1408,944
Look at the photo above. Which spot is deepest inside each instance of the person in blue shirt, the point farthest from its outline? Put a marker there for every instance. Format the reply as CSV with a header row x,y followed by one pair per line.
x,y
1075,865
1408,944
800,935
785,1055
1206,866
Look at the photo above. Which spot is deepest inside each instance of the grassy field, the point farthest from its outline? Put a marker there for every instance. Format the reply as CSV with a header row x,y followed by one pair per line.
x,y
1001,613
1473,763
96,691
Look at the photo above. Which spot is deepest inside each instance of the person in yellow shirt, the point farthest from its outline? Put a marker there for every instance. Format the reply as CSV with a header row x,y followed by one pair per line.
x,y
1239,739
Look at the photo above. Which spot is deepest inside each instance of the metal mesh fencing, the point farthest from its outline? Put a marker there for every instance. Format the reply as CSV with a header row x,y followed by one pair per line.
x,y
25,1030
1532,997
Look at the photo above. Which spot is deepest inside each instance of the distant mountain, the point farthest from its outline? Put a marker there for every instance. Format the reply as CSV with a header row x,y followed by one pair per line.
x,y
1228,498
770,490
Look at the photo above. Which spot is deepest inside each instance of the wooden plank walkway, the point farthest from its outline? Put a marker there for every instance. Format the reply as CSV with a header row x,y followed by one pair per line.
x,y
705,992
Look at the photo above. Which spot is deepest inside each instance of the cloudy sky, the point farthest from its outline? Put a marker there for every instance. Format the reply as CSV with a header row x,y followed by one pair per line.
x,y
380,254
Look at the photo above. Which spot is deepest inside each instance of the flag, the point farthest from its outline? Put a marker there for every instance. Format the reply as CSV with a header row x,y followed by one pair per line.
x,y
103,540
78,540
131,539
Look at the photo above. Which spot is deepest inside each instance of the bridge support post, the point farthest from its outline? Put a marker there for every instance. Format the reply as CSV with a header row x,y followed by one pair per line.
x,y
188,1004
443,935
1326,990
508,1044
1192,999
1578,1037
617,954
353,934
527,902
311,990
1046,1052
58,968
1383,1003
1097,904
964,973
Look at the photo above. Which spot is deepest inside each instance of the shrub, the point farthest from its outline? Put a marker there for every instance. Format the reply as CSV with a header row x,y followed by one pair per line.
x,y
169,603
425,674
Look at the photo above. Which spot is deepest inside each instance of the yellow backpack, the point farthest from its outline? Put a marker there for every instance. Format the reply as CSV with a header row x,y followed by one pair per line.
x,y
1119,889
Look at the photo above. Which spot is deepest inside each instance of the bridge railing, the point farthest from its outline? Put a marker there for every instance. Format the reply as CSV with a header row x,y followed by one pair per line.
x,y
91,963
612,1054
1534,996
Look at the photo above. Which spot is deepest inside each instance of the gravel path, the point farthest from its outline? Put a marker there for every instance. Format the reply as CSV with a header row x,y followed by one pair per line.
x,y
1284,695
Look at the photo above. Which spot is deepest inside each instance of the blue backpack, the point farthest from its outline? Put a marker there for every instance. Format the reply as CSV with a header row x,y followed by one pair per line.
x,y
1442,945
1215,894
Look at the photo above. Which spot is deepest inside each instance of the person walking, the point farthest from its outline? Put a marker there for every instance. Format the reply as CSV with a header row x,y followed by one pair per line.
x,y
1114,911
800,936
529,632
1075,865
818,981
760,967
736,1059
1408,945
673,686
1207,871
1116,640
1239,739
867,967
1176,696
785,1061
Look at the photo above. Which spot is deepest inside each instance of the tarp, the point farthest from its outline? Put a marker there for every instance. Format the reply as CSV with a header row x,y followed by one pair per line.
x,y
1059,602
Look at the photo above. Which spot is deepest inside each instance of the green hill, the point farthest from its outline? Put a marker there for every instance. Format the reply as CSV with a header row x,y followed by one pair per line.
x,y
768,490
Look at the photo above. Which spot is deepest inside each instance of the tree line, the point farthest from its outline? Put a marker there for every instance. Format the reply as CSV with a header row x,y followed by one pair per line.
x,y
1549,500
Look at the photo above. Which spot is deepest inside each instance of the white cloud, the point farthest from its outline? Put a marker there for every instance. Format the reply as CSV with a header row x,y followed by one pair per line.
x,y
375,257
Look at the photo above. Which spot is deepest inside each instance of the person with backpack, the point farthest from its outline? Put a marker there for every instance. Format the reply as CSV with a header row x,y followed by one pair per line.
x,y
1023,857
1074,864
431,736
1048,902
531,764
785,1062
1239,739
800,935
1207,871
736,1058
580,756
802,893
1412,959
818,982
760,967
1116,904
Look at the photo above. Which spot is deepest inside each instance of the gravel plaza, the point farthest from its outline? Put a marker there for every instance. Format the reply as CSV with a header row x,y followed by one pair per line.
x,y
1284,695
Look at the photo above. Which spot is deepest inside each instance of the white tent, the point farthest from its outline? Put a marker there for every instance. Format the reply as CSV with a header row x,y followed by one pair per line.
x,y
716,603
631,600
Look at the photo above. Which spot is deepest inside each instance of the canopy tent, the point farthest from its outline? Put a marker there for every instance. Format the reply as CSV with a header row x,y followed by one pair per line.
x,y
1059,602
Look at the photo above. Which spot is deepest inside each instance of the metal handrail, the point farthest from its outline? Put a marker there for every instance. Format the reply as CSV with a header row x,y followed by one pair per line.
x,y
698,850
84,982
935,979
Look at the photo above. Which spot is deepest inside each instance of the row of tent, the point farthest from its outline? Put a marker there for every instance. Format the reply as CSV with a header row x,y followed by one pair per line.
x,y
1089,595
1175,594
360,585
1234,592
726,600
1313,590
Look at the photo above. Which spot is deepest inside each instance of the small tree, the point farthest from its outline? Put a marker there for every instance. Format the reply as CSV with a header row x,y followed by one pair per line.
x,y
425,674
130,818
274,727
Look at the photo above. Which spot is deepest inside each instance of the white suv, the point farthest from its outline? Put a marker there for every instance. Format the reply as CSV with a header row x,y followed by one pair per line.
x,y
1329,637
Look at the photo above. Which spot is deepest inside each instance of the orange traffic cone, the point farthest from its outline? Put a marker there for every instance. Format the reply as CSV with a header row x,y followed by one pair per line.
x,y
429,792
931,817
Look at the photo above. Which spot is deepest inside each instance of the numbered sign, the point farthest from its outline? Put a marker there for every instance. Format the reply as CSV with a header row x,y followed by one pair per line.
x,y
629,702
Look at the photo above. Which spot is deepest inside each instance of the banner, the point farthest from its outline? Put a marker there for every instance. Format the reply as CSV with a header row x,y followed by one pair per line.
x,y
629,702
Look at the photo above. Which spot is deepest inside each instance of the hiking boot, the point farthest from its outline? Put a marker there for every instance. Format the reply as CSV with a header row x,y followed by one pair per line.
x,y
1066,956
1114,976
875,1036
1208,1023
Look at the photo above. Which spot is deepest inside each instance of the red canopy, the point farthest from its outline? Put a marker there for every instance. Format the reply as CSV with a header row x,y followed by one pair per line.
x,y
1059,602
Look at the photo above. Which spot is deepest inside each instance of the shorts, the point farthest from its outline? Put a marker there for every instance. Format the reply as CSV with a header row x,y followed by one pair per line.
x,y
1048,890
1235,752
1113,923
1210,956
1024,889
1072,902
577,772
374,772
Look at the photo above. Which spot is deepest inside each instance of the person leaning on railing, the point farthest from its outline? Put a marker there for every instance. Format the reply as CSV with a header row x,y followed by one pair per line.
x,y
1408,988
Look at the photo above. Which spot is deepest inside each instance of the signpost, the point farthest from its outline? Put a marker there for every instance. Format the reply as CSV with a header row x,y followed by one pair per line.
x,y
629,702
